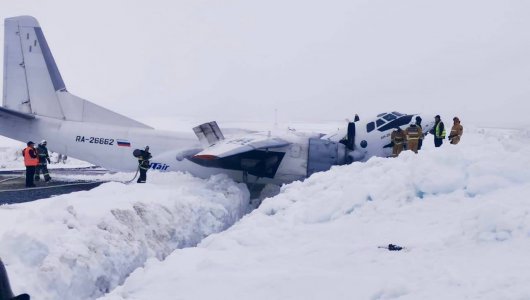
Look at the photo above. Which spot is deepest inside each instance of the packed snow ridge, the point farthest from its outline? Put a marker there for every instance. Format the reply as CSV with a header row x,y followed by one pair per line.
x,y
82,245
461,212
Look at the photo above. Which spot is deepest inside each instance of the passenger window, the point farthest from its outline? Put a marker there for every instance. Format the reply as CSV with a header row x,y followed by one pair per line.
x,y
380,122
389,117
370,127
364,144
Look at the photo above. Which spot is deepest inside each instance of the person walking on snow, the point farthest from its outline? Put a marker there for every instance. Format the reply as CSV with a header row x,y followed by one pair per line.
x,y
31,161
44,160
456,131
438,131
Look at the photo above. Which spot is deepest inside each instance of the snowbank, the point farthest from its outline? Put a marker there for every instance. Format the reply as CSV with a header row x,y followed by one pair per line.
x,y
462,212
11,159
81,245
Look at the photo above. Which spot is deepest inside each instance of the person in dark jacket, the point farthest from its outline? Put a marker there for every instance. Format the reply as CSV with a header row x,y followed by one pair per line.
x,y
438,131
44,160
31,161
418,124
143,165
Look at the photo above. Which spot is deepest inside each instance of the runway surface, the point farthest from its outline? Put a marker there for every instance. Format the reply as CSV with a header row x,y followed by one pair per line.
x,y
13,190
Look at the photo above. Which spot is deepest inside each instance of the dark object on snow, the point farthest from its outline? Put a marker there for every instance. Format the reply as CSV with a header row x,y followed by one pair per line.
x,y
394,248
5,287
391,247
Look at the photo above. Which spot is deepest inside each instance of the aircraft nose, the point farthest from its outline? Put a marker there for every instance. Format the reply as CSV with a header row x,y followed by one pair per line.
x,y
428,121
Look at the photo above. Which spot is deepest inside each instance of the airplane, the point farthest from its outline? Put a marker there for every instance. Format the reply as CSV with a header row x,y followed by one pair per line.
x,y
37,106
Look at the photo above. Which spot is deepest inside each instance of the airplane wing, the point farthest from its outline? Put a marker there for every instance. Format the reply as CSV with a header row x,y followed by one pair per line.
x,y
241,144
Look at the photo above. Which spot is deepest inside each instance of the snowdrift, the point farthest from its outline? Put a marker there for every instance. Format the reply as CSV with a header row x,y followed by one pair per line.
x,y
11,159
82,245
461,211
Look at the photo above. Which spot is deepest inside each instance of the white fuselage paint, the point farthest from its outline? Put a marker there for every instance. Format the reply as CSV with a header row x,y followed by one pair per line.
x,y
98,144
91,142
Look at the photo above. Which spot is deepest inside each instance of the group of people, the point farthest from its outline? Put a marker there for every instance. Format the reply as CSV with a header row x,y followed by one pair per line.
x,y
412,137
36,161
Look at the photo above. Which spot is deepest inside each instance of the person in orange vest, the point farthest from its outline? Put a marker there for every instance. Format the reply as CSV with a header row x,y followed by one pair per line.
x,y
31,161
398,140
456,131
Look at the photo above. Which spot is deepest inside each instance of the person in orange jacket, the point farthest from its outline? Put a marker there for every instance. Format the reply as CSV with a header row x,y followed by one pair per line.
x,y
456,131
398,140
414,134
31,161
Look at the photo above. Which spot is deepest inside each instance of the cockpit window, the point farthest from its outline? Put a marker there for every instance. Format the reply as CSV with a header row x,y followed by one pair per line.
x,y
380,122
397,114
380,115
389,117
370,127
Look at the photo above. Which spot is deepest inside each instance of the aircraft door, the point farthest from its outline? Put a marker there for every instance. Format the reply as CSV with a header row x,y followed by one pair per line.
x,y
323,154
350,138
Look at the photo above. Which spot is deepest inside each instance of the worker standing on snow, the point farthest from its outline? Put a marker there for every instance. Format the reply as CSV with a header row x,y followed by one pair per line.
x,y
143,164
456,131
418,123
413,134
398,139
44,160
438,131
31,161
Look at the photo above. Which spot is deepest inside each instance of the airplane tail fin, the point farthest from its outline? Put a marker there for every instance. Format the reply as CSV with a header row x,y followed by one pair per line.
x,y
33,83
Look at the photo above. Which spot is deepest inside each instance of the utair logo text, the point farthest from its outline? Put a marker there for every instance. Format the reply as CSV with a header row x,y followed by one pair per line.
x,y
158,166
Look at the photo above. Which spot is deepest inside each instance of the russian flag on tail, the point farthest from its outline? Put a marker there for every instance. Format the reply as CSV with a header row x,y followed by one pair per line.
x,y
123,143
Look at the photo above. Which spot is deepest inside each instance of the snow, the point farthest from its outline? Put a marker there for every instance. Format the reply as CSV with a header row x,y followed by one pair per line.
x,y
461,212
11,157
81,245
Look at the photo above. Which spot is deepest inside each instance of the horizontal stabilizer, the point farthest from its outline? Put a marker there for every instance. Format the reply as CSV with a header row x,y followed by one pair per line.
x,y
237,145
5,112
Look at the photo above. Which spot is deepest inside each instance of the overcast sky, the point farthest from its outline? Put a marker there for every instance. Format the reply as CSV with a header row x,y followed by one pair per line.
x,y
312,60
